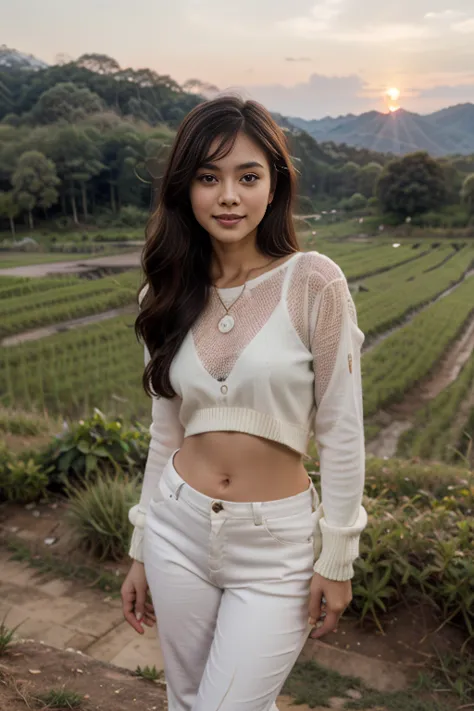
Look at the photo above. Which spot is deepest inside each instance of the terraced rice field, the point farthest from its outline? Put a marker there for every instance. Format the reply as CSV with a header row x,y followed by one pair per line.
x,y
420,298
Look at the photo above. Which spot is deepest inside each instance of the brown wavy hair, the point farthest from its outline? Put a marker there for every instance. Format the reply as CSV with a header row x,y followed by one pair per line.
x,y
176,259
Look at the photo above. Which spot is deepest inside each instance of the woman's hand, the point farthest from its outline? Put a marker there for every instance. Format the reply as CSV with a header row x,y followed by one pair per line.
x,y
328,598
136,609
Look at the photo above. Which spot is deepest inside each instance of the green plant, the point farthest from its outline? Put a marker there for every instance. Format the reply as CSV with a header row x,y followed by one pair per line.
x,y
22,481
95,445
6,636
150,673
61,699
98,514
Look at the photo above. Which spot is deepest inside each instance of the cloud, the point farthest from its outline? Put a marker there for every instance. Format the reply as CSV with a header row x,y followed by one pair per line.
x,y
461,92
319,96
320,18
328,20
384,34
465,27
445,15
298,59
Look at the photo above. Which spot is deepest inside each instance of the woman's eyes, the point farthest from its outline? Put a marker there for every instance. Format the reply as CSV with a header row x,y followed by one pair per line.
x,y
249,178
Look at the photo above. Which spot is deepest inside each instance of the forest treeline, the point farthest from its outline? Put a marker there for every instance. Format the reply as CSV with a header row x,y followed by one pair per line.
x,y
87,139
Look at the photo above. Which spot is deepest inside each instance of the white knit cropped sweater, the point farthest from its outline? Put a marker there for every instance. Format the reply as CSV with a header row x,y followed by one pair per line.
x,y
289,370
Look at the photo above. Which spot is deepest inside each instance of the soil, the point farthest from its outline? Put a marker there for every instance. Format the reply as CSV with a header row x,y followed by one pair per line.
x,y
105,686
131,260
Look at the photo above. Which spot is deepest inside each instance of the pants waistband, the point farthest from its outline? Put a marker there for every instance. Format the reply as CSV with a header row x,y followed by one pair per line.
x,y
237,509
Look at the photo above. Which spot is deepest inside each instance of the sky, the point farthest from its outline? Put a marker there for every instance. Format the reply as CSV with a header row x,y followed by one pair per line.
x,y
307,58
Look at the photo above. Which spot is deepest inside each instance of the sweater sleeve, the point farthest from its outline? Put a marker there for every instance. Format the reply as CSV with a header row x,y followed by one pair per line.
x,y
338,430
167,435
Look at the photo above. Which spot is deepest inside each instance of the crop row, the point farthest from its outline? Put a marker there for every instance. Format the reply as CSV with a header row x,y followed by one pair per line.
x,y
380,310
409,354
363,264
435,429
406,272
79,289
68,374
76,302
22,287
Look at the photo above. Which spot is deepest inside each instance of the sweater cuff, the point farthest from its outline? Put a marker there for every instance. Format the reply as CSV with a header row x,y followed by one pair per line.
x,y
338,547
137,518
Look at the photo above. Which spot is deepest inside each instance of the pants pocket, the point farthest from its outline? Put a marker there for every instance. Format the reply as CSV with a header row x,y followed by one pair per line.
x,y
160,494
290,530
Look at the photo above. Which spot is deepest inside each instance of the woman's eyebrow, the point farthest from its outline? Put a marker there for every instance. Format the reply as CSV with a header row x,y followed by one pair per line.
x,y
242,166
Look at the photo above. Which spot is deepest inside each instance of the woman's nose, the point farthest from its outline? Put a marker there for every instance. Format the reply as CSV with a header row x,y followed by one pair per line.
x,y
229,195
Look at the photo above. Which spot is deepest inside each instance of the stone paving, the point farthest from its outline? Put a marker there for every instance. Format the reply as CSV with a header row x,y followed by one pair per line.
x,y
64,614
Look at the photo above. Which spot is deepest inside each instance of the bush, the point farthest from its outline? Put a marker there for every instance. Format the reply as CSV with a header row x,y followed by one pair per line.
x,y
128,216
417,546
98,514
22,479
354,203
95,445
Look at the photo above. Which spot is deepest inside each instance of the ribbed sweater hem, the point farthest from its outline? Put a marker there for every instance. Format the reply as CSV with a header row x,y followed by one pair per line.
x,y
235,419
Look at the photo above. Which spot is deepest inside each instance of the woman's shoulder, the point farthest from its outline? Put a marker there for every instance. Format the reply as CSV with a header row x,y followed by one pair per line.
x,y
318,269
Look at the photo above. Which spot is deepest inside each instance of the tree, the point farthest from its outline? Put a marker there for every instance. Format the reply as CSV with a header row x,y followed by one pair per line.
x,y
411,185
467,193
349,178
355,202
66,102
119,145
196,86
78,158
9,208
34,183
368,177
98,63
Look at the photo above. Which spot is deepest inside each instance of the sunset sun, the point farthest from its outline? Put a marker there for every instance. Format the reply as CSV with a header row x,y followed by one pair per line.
x,y
392,96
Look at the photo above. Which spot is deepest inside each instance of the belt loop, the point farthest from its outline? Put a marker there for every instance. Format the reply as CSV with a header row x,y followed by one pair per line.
x,y
257,513
178,490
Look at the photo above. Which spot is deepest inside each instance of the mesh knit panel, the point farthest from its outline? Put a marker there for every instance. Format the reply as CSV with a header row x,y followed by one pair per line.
x,y
219,352
316,296
326,340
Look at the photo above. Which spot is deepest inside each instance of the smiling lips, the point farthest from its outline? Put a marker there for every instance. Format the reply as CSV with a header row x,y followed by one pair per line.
x,y
228,220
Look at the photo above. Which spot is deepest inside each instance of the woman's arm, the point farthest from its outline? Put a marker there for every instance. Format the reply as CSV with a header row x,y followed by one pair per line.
x,y
167,435
336,344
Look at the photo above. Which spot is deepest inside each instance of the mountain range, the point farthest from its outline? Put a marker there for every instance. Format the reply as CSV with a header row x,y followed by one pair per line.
x,y
446,132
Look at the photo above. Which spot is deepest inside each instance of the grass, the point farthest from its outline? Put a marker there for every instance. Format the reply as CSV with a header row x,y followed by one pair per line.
x,y
47,563
6,636
311,684
61,699
150,673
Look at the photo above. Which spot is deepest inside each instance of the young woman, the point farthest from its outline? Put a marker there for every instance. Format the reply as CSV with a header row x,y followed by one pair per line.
x,y
252,347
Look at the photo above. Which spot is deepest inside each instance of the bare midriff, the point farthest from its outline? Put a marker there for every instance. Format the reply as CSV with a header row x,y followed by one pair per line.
x,y
233,466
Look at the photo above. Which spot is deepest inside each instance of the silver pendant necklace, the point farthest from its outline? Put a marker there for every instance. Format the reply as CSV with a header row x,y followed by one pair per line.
x,y
227,322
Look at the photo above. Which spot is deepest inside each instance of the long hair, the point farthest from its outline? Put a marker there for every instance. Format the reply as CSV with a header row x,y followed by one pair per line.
x,y
176,259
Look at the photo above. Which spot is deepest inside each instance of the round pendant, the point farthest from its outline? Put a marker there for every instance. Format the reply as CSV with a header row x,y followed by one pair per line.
x,y
226,324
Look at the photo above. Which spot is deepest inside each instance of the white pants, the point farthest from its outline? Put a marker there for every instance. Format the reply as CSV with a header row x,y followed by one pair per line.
x,y
230,587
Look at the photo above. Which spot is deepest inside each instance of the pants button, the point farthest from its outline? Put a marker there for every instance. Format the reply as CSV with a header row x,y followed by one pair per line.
x,y
217,506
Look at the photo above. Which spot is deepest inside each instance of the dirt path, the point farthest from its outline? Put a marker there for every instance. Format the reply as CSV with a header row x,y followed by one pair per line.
x,y
386,442
37,333
130,260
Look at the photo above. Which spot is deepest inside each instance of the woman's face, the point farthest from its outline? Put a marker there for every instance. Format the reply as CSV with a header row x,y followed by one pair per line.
x,y
230,196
